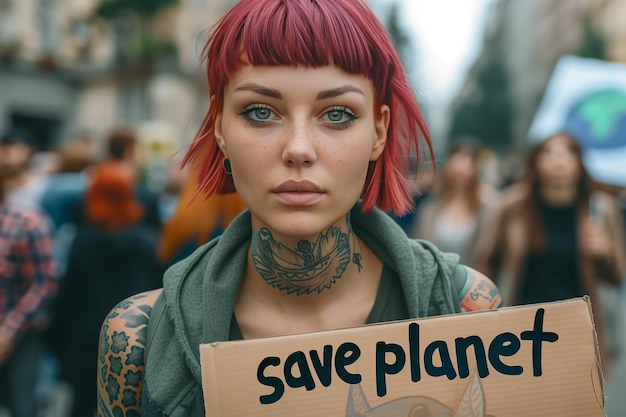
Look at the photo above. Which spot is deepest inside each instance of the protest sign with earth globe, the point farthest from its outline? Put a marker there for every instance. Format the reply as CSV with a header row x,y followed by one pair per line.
x,y
587,99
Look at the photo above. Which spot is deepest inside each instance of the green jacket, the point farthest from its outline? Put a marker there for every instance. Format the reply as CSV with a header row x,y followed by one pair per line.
x,y
199,294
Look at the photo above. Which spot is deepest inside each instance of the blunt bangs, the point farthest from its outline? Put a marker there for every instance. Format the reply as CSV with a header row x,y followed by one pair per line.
x,y
296,32
314,33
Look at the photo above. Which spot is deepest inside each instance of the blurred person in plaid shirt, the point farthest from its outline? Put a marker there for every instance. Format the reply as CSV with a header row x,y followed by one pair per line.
x,y
27,285
26,168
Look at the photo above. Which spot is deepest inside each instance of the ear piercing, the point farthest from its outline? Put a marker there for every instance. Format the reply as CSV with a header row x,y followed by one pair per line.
x,y
227,167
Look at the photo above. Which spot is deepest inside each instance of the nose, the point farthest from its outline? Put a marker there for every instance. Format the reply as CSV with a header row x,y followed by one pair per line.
x,y
561,156
299,148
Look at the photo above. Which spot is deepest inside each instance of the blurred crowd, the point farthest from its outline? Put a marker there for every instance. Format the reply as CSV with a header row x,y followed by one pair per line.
x,y
83,227
80,230
544,231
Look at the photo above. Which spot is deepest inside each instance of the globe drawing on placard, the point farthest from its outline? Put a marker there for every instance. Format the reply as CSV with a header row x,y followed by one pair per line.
x,y
598,120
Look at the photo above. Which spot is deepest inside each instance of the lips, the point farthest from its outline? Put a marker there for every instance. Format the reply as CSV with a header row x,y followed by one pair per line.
x,y
292,186
298,193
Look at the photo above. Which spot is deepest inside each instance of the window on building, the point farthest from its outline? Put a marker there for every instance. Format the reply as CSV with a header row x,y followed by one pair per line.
x,y
44,128
48,18
8,28
134,104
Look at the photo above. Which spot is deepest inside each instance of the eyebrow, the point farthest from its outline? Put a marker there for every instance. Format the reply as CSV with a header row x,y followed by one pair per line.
x,y
334,92
322,95
259,89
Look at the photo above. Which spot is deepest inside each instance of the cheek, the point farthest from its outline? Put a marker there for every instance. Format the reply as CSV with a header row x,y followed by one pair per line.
x,y
252,164
351,168
542,164
575,169
9,157
461,171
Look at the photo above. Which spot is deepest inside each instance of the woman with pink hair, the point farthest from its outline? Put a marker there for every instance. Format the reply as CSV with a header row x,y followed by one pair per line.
x,y
311,120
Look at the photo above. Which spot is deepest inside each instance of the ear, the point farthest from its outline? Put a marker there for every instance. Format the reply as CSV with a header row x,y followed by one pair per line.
x,y
381,125
217,131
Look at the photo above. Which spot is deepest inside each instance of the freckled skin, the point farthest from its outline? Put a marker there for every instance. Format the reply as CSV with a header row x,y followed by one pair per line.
x,y
121,356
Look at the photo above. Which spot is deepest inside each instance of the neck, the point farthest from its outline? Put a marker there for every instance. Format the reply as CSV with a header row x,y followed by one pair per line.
x,y
306,266
457,194
559,194
457,189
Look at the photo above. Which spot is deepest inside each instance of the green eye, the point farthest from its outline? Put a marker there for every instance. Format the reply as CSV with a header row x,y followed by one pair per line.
x,y
340,117
262,113
258,114
335,116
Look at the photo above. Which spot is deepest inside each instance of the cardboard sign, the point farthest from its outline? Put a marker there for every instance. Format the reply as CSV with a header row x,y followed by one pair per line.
x,y
536,360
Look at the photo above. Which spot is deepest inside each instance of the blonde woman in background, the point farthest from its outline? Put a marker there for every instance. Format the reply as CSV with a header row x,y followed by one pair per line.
x,y
453,213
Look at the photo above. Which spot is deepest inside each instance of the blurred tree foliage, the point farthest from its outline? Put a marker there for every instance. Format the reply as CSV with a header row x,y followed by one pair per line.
x,y
486,112
397,34
132,21
110,9
592,44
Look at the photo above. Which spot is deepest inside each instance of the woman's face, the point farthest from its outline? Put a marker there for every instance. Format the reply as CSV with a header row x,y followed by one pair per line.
x,y
299,141
460,169
14,158
557,162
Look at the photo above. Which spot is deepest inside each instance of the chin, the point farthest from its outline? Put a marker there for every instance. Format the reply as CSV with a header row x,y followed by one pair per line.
x,y
300,227
300,231
565,182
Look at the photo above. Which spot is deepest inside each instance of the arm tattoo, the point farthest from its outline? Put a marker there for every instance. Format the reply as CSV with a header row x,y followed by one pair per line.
x,y
121,357
478,292
310,267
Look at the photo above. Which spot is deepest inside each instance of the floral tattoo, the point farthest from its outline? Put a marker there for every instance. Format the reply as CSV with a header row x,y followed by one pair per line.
x,y
121,359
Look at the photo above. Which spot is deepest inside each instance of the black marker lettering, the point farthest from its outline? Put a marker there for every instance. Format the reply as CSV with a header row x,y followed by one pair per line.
x,y
304,377
323,367
537,335
462,344
446,367
383,368
414,351
504,344
270,381
347,354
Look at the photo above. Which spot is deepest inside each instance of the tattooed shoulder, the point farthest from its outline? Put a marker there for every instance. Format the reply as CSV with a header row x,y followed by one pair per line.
x,y
478,292
121,356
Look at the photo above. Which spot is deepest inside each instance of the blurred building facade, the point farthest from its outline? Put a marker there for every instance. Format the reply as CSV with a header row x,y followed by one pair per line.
x,y
66,70
527,37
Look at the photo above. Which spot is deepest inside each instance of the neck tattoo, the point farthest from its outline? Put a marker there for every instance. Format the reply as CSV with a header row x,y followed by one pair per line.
x,y
310,267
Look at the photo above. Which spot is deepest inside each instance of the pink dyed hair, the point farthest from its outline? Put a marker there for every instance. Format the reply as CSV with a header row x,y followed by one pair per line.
x,y
315,33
